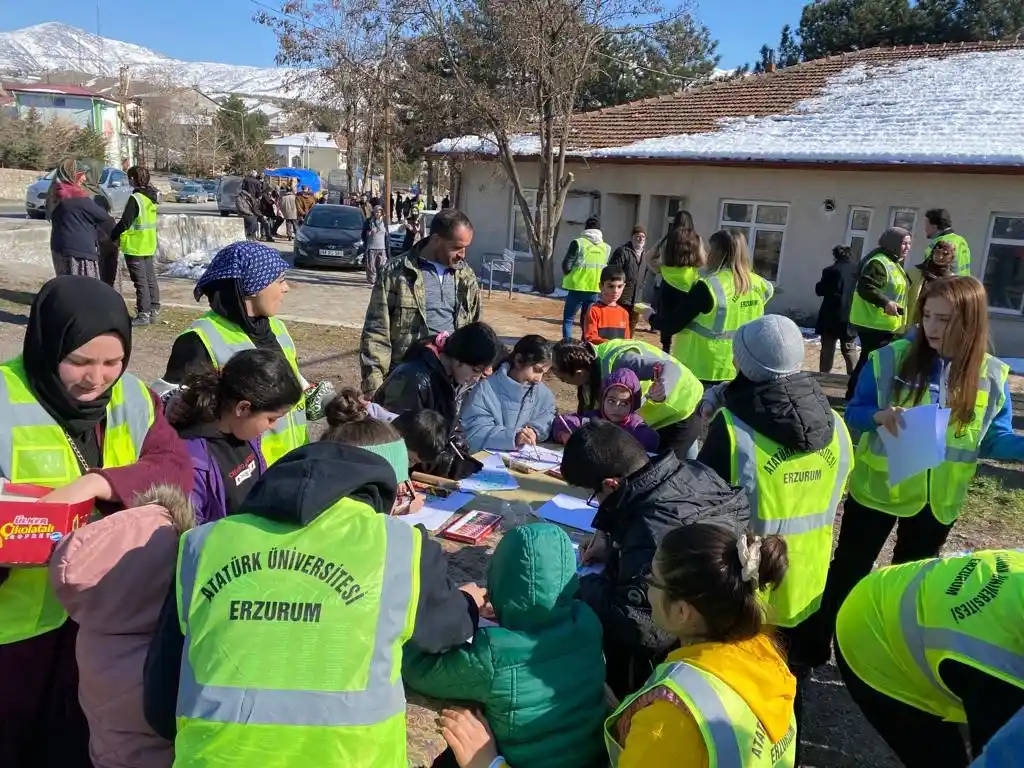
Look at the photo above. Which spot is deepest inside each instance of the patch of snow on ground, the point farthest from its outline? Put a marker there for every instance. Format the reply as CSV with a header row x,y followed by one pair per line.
x,y
191,266
883,114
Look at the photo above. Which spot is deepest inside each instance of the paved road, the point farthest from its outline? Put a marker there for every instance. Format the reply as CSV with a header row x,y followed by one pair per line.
x,y
14,209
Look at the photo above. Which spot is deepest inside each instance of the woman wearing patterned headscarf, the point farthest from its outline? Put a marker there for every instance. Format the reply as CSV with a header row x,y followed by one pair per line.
x,y
245,285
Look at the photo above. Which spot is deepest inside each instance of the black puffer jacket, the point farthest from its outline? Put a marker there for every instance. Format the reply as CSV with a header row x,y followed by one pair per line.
x,y
793,412
652,501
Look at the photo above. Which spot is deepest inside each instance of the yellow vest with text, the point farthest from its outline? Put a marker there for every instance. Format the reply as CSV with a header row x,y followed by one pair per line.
x,y
962,265
140,238
733,735
679,404
705,345
586,275
223,339
293,640
864,314
900,623
944,487
34,449
793,495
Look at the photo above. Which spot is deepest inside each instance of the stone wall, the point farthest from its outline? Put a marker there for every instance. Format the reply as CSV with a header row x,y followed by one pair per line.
x,y
14,182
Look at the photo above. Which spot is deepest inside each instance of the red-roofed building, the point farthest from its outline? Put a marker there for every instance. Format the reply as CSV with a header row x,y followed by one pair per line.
x,y
799,160
77,105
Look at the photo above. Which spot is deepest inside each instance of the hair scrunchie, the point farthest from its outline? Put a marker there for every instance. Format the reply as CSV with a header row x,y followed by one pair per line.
x,y
441,339
750,558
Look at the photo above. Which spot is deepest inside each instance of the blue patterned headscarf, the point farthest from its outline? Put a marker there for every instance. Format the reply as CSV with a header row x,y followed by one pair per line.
x,y
254,265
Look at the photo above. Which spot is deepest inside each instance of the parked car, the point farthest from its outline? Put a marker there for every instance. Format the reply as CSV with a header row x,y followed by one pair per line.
x,y
177,182
396,235
226,194
113,182
210,187
331,236
190,193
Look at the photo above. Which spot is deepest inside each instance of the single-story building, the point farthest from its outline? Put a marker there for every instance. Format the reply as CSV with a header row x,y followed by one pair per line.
x,y
316,150
82,107
827,152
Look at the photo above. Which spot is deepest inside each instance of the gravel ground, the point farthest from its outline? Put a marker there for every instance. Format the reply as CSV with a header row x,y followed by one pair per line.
x,y
835,734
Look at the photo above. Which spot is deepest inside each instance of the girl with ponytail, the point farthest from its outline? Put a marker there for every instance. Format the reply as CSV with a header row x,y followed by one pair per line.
x,y
222,416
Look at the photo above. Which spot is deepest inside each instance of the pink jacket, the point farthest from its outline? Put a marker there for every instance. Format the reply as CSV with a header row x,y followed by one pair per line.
x,y
112,577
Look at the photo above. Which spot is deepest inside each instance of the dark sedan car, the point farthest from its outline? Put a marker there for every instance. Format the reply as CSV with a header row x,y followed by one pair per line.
x,y
331,236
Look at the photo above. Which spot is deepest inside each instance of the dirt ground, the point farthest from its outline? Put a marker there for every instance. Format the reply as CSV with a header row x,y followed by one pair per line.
x,y
835,735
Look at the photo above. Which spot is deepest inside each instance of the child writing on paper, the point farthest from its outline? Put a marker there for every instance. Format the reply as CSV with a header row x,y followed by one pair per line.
x,y
620,401
539,673
512,407
945,363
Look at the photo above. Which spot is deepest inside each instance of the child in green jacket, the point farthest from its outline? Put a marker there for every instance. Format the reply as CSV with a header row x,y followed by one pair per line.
x,y
539,674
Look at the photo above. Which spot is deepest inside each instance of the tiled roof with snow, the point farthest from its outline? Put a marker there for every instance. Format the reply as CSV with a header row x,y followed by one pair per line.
x,y
920,105
313,140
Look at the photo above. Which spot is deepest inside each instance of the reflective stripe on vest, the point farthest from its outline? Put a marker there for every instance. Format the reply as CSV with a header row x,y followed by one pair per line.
x,y
760,464
944,487
586,276
382,697
223,340
34,449
141,238
726,722
866,315
705,345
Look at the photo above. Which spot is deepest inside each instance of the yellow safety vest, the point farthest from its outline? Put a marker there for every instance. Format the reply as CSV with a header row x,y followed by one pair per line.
x,y
680,278
705,345
223,339
733,735
866,315
679,404
944,487
900,623
140,238
962,265
34,449
793,495
293,640
586,275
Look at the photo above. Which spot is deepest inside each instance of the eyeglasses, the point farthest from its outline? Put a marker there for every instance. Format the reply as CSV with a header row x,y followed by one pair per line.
x,y
592,501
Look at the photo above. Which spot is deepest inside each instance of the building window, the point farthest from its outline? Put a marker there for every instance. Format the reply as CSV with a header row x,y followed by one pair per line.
x,y
764,226
857,227
906,218
59,101
1004,262
519,240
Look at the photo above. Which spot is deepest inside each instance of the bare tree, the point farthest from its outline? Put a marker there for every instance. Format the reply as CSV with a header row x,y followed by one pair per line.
x,y
513,69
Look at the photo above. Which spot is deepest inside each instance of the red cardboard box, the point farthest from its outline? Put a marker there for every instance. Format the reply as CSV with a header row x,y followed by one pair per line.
x,y
30,529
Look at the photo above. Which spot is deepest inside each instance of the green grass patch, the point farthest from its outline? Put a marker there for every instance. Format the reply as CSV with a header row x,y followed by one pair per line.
x,y
994,501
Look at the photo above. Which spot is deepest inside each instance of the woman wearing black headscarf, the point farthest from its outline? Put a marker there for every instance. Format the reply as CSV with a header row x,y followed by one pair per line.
x,y
71,419
245,285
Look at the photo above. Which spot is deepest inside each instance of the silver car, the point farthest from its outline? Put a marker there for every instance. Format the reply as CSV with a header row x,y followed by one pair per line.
x,y
113,182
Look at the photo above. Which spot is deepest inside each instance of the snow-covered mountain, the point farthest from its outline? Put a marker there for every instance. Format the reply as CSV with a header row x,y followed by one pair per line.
x,y
52,47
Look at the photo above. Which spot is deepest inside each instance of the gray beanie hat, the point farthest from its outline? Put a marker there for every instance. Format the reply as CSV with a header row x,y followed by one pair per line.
x,y
891,240
769,348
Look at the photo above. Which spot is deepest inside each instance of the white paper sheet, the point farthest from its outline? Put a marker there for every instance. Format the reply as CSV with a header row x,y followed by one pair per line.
x,y
437,510
568,510
493,477
920,445
537,457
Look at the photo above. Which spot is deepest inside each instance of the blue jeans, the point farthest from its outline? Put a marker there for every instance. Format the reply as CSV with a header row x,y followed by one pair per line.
x,y
576,301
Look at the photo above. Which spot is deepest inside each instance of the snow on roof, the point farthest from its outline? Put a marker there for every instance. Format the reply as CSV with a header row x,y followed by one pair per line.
x,y
962,109
313,140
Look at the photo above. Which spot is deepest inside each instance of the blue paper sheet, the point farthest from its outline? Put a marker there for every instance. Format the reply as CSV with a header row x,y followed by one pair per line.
x,y
493,477
568,510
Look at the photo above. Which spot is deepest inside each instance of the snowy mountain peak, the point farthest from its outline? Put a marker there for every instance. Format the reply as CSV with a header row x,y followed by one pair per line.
x,y
56,47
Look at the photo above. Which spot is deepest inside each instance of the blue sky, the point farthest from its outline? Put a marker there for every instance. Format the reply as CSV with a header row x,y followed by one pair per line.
x,y
223,30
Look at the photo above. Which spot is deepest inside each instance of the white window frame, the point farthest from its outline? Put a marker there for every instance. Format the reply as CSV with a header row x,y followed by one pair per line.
x,y
513,210
989,242
864,233
752,227
903,209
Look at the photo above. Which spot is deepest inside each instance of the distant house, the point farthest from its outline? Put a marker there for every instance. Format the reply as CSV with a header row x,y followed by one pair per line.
x,y
799,160
81,106
315,150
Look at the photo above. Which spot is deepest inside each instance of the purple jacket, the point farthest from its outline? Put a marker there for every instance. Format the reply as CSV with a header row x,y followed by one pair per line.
x,y
209,497
564,426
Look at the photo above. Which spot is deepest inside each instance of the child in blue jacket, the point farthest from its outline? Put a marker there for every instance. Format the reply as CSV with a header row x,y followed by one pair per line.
x,y
512,407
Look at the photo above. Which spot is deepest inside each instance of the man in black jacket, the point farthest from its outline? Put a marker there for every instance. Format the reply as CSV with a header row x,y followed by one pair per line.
x,y
640,501
836,287
296,490
630,258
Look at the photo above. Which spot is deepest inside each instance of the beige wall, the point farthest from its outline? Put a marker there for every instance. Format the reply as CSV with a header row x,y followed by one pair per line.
x,y
810,232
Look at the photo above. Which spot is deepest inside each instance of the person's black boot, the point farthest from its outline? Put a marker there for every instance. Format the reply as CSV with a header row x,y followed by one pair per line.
x,y
140,319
